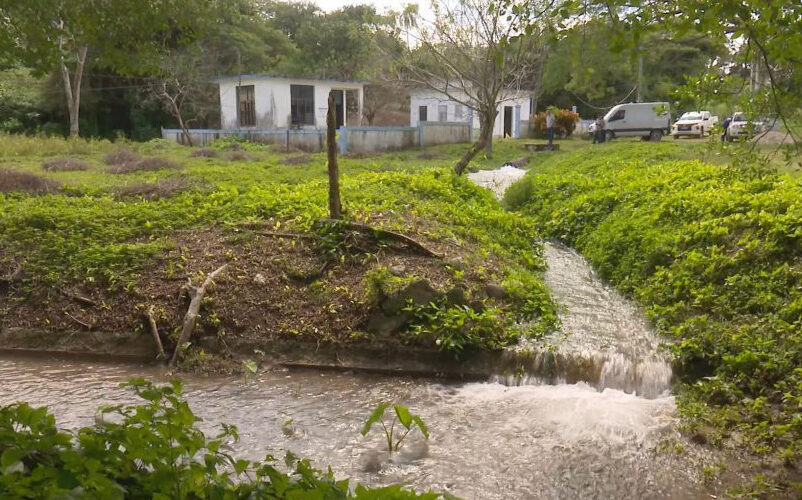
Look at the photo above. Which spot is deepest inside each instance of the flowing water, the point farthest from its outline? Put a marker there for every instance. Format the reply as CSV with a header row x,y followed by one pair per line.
x,y
531,436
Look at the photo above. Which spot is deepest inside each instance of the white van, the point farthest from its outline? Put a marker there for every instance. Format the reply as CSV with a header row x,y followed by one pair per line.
x,y
649,120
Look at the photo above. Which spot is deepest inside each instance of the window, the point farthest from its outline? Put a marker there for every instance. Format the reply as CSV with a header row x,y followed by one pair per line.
x,y
442,113
302,105
619,115
457,112
423,112
246,106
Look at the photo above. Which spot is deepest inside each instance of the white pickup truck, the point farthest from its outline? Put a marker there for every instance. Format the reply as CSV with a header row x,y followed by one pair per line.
x,y
694,124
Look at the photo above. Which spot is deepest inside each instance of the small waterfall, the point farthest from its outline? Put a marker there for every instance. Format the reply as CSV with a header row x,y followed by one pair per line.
x,y
649,378
604,341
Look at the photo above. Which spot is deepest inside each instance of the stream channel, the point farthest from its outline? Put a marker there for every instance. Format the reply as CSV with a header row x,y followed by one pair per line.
x,y
595,427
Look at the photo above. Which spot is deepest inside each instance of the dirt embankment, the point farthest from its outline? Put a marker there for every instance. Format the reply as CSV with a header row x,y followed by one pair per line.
x,y
278,289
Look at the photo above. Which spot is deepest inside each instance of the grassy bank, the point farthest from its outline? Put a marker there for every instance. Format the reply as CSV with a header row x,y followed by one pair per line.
x,y
713,253
125,227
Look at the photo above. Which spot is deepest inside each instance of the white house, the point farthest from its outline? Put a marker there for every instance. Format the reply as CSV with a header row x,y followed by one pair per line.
x,y
279,102
426,105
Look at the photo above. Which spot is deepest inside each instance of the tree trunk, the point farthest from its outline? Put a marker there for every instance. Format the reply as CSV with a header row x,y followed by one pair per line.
x,y
335,206
183,125
72,89
482,142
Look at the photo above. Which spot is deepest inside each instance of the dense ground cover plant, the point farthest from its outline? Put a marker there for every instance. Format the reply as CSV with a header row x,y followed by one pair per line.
x,y
714,254
104,233
153,450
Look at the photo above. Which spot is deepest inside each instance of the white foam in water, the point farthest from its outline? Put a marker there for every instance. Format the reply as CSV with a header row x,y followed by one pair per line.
x,y
497,180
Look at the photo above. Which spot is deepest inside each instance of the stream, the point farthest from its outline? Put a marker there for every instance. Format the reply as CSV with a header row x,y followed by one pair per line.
x,y
594,428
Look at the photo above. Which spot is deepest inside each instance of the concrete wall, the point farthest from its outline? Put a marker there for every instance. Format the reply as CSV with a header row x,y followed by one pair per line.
x,y
272,100
306,140
369,139
456,112
432,133
351,139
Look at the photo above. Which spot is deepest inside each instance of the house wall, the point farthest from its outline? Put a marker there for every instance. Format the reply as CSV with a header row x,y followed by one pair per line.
x,y
272,100
432,100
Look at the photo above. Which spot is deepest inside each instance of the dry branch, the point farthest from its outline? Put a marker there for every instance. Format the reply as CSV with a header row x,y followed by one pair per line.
x,y
383,233
155,331
196,297
83,324
79,298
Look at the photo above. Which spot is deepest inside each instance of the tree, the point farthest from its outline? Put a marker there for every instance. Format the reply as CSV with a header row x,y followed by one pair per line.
x,y
763,35
335,205
62,35
473,53
183,87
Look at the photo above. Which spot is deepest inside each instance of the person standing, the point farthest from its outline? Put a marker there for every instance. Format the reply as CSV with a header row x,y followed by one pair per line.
x,y
598,134
726,125
550,127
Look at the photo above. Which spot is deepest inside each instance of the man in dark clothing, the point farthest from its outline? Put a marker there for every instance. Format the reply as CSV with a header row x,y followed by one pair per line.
x,y
726,125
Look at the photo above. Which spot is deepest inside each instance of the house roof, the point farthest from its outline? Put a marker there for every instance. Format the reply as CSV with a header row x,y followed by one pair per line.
x,y
266,76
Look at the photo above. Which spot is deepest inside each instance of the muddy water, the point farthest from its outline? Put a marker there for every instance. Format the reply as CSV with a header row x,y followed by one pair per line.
x,y
544,438
488,441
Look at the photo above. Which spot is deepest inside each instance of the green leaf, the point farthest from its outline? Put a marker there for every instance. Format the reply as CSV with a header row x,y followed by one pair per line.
x,y
374,417
421,425
403,415
10,460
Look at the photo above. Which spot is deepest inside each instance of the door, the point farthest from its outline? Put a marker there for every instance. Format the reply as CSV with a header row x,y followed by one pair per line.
x,y
507,121
339,107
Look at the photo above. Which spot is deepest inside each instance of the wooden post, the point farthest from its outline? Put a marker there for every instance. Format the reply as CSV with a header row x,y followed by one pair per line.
x,y
335,206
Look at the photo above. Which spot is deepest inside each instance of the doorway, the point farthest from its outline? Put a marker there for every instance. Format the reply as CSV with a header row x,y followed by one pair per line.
x,y
507,121
339,107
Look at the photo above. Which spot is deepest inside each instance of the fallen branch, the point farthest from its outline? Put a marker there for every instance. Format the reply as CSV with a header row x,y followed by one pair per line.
x,y
299,236
155,331
196,296
85,325
79,298
382,233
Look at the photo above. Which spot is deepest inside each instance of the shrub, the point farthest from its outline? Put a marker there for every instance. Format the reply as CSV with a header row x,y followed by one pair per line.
x,y
153,190
64,165
297,160
564,123
144,165
121,156
13,180
238,156
204,153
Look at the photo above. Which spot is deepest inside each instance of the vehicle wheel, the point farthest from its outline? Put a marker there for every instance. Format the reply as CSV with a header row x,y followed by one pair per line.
x,y
676,136
609,135
656,135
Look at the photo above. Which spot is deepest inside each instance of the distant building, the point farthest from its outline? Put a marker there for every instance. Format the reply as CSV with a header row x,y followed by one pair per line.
x,y
426,105
278,102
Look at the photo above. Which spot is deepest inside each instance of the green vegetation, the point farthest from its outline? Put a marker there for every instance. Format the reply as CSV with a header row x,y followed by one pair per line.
x,y
408,420
713,253
108,232
153,450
